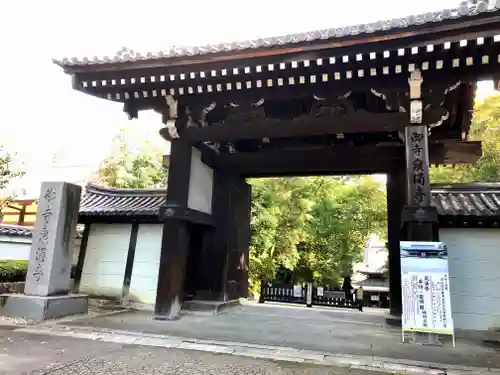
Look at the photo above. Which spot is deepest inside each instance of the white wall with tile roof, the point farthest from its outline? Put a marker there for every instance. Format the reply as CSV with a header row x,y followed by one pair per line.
x,y
19,248
473,259
105,260
144,277
14,247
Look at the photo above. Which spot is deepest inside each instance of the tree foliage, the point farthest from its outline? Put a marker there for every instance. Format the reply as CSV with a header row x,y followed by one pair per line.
x,y
316,226
128,167
6,175
280,210
485,127
344,215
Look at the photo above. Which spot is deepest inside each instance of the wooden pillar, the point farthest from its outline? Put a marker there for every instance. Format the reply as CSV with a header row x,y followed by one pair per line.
x,y
396,199
419,217
241,234
221,206
175,239
229,262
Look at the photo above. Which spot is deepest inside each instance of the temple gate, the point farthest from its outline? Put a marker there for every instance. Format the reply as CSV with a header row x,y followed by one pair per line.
x,y
389,97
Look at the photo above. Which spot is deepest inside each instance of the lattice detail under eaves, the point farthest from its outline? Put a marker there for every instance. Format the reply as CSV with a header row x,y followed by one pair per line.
x,y
445,56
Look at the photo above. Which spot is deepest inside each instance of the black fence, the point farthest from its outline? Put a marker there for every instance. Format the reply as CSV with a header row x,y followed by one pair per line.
x,y
320,296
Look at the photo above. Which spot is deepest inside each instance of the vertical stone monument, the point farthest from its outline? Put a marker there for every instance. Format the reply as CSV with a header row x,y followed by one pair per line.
x,y
46,292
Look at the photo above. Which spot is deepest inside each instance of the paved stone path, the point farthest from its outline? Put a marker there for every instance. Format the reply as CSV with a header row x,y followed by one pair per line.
x,y
252,339
324,330
23,353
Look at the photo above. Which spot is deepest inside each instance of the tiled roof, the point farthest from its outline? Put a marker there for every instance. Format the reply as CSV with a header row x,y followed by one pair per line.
x,y
15,230
372,272
373,285
464,10
473,200
100,201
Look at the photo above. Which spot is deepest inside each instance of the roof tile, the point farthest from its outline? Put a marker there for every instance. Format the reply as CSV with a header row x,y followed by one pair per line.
x,y
466,9
15,230
100,201
477,199
470,200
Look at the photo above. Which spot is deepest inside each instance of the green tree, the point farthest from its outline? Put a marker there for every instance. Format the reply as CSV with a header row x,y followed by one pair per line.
x,y
280,210
128,167
316,226
345,214
6,175
485,127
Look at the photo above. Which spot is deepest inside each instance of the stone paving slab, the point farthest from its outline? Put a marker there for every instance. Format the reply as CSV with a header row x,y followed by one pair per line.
x,y
318,330
36,354
284,354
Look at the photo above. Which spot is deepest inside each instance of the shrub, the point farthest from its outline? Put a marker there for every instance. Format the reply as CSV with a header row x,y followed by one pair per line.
x,y
13,270
16,270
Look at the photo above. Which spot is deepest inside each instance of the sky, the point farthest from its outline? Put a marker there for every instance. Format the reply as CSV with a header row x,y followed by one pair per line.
x,y
60,134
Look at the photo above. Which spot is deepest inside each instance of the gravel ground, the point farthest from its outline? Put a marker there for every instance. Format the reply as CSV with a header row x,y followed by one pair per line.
x,y
140,360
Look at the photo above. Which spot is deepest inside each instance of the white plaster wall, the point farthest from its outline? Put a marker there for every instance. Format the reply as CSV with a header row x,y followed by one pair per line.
x,y
201,181
105,260
18,248
15,248
474,257
144,277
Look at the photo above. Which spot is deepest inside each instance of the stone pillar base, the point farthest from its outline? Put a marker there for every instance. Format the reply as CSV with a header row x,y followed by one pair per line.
x,y
393,320
38,308
420,223
214,307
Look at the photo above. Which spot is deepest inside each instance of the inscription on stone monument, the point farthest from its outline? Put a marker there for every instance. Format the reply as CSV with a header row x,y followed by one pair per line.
x,y
43,237
53,239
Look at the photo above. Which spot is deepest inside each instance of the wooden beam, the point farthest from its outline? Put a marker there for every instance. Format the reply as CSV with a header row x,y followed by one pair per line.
x,y
336,160
331,160
462,152
305,126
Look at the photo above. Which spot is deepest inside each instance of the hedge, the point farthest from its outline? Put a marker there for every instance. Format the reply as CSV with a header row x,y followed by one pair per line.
x,y
15,270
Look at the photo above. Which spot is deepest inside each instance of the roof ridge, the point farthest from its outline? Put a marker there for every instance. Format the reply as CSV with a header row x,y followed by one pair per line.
x,y
467,187
15,226
99,189
125,54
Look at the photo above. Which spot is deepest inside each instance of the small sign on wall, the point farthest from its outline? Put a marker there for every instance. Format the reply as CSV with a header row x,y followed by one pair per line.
x,y
297,290
375,298
319,291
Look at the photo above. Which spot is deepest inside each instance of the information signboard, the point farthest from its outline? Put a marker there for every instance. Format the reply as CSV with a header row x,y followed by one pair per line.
x,y
297,290
425,288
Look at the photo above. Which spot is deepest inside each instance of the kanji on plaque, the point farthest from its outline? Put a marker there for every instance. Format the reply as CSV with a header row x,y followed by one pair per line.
x,y
417,165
